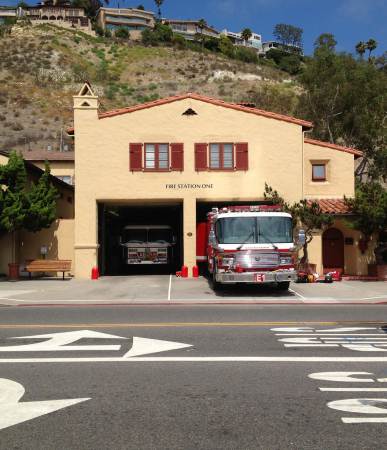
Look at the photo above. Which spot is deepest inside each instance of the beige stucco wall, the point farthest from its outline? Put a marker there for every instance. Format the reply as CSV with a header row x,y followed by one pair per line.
x,y
102,154
59,239
355,262
340,172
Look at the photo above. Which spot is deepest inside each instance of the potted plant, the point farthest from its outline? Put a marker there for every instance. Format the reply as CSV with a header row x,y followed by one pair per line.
x,y
24,204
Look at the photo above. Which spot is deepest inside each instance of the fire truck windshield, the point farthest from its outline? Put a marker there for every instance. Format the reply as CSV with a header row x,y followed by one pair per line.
x,y
144,235
254,230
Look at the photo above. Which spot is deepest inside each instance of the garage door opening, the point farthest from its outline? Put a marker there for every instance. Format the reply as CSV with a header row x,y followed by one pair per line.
x,y
137,240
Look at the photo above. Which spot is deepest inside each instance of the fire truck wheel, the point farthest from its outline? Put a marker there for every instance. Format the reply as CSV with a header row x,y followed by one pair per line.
x,y
283,285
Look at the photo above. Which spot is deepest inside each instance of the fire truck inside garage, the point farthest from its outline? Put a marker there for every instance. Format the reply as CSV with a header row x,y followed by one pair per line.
x,y
140,239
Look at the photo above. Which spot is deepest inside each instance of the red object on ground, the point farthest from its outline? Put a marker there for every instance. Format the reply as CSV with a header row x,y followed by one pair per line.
x,y
13,271
178,273
337,273
94,273
184,272
195,271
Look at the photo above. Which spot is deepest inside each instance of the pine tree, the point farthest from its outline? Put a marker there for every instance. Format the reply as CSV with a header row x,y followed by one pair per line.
x,y
42,203
25,205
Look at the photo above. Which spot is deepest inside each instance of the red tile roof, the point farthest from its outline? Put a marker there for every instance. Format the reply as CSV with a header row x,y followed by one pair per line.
x,y
332,205
42,155
351,150
202,98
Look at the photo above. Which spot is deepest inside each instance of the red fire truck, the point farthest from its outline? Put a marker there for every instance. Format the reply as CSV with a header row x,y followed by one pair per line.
x,y
249,244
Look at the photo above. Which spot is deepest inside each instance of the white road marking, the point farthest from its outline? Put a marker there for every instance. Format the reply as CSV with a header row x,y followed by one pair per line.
x,y
59,341
326,335
5,294
364,419
292,329
314,331
365,347
298,294
169,288
143,346
12,411
341,377
305,337
323,389
311,345
360,405
202,359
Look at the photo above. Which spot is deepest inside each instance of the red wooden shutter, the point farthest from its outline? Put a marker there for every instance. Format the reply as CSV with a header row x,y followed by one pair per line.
x,y
201,157
242,156
177,157
135,157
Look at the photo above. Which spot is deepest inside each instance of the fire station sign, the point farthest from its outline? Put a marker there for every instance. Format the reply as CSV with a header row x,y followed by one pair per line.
x,y
189,186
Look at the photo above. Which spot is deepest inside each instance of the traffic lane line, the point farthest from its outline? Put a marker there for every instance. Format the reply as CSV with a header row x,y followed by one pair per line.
x,y
204,359
185,324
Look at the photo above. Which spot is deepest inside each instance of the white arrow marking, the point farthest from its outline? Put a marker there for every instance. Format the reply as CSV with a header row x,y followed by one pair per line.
x,y
143,346
342,377
360,405
13,412
58,342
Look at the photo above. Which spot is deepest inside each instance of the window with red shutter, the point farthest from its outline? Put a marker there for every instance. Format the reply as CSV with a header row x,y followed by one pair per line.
x,y
135,157
201,157
242,156
177,157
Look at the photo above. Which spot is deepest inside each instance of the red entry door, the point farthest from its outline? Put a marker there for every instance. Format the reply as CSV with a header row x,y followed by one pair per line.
x,y
333,249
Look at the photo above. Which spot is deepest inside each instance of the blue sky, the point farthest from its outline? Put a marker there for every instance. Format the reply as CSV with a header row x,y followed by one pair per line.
x,y
349,20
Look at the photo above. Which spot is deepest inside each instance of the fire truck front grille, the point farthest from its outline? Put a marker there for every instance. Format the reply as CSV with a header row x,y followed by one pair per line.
x,y
256,260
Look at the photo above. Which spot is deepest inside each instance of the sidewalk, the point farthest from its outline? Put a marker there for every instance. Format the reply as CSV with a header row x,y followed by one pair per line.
x,y
165,289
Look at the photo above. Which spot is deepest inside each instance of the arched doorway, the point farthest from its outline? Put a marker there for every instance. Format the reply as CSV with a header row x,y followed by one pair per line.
x,y
333,249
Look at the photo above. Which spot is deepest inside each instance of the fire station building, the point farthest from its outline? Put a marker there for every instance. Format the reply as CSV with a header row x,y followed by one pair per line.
x,y
170,161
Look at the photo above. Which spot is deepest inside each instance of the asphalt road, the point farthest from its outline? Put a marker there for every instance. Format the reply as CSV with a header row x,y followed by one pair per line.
x,y
242,380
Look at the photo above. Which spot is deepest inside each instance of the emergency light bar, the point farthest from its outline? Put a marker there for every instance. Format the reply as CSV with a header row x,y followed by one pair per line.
x,y
247,208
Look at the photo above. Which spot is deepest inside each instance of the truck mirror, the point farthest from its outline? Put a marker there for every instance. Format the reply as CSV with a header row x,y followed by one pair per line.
x,y
301,237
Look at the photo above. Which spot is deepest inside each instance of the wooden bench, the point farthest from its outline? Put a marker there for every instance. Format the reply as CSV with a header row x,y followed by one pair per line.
x,y
48,265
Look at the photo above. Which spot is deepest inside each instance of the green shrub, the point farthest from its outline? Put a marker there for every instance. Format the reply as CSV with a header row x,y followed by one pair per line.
x,y
247,55
179,41
122,33
160,34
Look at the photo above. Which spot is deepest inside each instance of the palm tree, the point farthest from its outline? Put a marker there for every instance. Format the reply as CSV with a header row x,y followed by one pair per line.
x,y
371,46
158,4
361,48
246,35
201,25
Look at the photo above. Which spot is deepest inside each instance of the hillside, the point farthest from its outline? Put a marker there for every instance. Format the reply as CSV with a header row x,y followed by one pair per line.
x,y
41,67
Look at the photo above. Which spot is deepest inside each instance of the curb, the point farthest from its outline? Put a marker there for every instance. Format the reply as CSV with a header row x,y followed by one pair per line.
x,y
185,303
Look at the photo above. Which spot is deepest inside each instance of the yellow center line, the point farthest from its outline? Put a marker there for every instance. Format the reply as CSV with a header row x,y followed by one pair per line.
x,y
184,324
